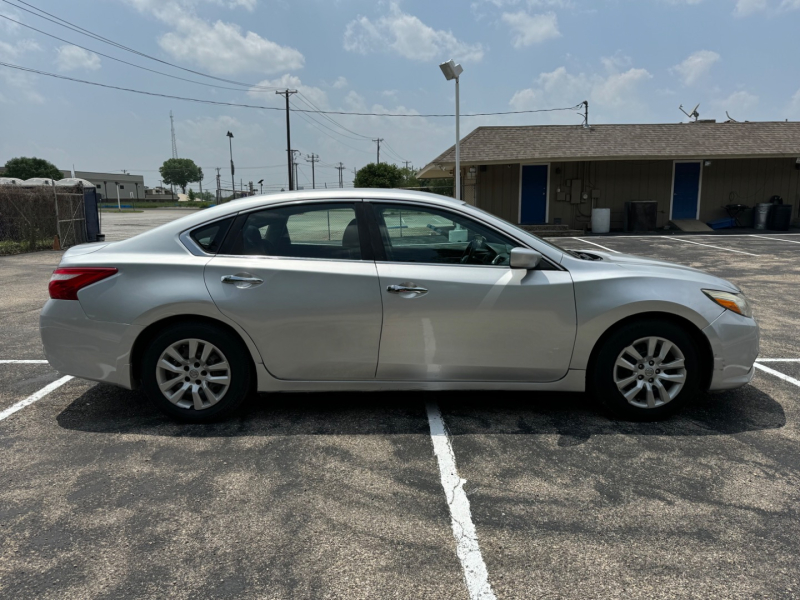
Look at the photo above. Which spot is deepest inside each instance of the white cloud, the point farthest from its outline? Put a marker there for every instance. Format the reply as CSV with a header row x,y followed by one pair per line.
x,y
314,94
748,7
70,58
340,83
407,36
737,104
695,66
222,48
614,94
21,84
531,29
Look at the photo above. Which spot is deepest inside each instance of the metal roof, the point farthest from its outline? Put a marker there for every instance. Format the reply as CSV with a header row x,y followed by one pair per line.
x,y
486,145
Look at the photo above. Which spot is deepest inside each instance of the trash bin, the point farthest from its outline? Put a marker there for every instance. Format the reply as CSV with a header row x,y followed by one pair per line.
x,y
601,220
761,215
780,217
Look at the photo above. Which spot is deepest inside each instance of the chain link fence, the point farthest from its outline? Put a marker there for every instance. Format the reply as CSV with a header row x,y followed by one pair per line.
x,y
32,217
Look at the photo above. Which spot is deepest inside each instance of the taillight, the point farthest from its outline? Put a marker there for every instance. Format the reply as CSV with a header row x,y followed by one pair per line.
x,y
67,282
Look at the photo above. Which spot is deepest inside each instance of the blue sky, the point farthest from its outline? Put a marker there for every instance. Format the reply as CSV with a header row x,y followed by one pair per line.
x,y
633,60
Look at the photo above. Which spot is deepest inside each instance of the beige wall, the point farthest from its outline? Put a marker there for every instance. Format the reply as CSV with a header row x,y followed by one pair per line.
x,y
745,181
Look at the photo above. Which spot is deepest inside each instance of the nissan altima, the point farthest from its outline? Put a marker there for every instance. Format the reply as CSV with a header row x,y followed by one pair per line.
x,y
375,290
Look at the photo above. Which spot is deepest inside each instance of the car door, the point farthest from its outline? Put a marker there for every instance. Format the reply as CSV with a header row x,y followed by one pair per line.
x,y
453,308
300,279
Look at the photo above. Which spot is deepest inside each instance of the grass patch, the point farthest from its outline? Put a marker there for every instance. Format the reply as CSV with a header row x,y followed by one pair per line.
x,y
145,205
10,247
125,210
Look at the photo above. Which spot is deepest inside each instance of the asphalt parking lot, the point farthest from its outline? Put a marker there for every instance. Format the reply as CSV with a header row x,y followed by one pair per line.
x,y
343,496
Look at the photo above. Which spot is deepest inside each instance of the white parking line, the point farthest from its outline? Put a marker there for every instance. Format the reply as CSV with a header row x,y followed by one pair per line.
x,y
467,548
34,397
776,239
710,246
23,362
598,245
778,360
778,374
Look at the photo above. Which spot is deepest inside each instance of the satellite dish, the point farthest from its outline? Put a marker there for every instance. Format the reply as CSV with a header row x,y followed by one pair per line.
x,y
692,115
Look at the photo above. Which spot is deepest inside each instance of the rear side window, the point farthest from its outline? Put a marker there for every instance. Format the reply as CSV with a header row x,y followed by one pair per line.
x,y
327,231
209,237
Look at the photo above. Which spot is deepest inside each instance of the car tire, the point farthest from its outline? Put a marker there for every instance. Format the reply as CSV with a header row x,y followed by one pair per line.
x,y
646,370
211,385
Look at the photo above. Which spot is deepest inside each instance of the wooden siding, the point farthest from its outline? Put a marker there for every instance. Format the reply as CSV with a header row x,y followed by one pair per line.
x,y
497,191
729,181
750,182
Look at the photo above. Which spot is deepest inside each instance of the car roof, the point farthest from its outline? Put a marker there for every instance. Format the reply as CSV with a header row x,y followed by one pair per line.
x,y
341,194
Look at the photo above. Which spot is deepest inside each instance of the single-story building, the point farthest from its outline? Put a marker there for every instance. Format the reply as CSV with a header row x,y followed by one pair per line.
x,y
131,187
549,174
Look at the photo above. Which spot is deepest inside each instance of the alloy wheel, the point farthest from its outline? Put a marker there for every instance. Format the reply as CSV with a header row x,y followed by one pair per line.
x,y
650,372
193,373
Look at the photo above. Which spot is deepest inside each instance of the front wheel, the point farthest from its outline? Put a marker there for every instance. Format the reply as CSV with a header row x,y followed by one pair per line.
x,y
646,370
196,372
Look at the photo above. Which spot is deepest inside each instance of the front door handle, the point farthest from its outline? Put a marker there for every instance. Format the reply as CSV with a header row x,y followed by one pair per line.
x,y
241,281
403,289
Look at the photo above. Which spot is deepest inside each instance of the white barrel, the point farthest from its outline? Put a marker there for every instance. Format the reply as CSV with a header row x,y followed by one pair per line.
x,y
601,220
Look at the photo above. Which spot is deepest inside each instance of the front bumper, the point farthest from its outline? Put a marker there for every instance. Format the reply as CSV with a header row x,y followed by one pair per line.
x,y
734,342
76,345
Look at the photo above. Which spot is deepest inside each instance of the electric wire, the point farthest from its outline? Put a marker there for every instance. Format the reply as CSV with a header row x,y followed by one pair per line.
x,y
259,107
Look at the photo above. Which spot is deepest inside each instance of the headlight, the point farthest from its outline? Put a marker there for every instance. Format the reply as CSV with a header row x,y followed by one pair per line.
x,y
735,302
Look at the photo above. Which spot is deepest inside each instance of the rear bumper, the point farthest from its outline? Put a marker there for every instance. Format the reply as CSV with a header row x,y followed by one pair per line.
x,y
734,342
76,345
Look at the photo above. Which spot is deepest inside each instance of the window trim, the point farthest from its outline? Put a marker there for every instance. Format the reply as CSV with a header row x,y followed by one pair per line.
x,y
380,251
357,205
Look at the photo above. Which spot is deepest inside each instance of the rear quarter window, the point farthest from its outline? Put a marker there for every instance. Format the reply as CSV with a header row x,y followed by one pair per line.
x,y
209,237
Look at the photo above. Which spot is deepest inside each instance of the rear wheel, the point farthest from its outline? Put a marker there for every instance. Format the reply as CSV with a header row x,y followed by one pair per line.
x,y
196,372
646,370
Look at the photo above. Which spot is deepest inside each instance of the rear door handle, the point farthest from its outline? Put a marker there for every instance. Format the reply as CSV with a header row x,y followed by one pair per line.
x,y
402,289
241,281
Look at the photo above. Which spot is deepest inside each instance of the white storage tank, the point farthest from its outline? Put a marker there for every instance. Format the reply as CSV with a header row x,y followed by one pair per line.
x,y
601,220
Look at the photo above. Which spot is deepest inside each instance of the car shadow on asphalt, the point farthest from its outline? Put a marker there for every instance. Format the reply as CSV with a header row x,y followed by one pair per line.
x,y
574,417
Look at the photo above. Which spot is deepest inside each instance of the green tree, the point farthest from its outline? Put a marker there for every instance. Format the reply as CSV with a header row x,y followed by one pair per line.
x,y
24,167
381,175
192,196
180,172
443,187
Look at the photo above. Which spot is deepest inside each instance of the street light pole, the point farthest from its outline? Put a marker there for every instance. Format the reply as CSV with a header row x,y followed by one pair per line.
x,y
452,71
233,181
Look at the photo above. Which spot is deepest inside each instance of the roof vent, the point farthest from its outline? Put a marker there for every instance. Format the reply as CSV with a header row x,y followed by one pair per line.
x,y
706,121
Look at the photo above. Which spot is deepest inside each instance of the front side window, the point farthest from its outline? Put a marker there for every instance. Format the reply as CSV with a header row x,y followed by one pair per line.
x,y
328,231
420,234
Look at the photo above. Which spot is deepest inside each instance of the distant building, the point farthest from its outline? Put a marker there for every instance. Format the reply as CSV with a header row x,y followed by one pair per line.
x,y
131,187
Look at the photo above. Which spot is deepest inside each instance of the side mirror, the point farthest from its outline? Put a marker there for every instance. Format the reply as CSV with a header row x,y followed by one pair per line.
x,y
524,258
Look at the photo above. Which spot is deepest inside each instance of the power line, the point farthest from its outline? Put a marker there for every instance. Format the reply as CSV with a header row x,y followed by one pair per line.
x,y
259,107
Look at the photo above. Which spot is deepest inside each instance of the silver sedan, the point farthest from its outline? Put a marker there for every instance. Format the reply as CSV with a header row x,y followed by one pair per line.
x,y
386,290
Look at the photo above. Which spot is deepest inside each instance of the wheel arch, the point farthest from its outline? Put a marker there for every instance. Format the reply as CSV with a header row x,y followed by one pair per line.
x,y
149,333
705,352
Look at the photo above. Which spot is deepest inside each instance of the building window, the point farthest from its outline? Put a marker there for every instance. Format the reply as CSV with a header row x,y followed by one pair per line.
x,y
122,187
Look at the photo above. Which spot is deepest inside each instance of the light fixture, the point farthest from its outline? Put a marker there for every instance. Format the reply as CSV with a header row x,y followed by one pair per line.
x,y
707,163
451,71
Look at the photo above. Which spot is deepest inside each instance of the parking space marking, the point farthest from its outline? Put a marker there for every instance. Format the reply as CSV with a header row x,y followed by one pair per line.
x,y
778,360
679,239
598,245
778,374
467,548
776,239
34,397
23,362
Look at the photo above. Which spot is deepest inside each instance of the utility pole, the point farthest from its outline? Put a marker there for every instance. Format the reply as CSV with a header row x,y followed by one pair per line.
x,y
407,162
172,131
340,168
379,140
219,189
233,181
286,93
295,179
313,158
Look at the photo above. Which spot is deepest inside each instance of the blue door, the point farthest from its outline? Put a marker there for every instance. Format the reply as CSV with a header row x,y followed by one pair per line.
x,y
687,190
534,195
